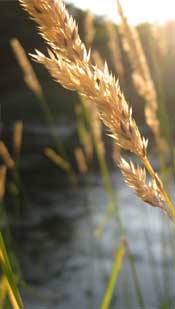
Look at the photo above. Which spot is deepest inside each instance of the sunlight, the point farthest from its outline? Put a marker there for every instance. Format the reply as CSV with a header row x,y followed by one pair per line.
x,y
137,11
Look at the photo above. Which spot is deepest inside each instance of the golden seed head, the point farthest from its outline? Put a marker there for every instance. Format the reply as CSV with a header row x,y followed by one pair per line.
x,y
71,67
29,74
135,177
141,74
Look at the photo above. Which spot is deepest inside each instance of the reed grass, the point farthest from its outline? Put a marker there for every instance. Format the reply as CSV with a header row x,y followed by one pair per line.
x,y
34,85
89,29
5,155
55,158
154,96
3,173
98,60
3,291
84,134
80,159
69,64
18,138
142,78
12,165
93,121
157,58
119,256
8,284
91,115
114,48
9,279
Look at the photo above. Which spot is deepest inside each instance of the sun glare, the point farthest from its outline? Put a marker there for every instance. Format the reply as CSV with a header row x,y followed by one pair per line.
x,y
137,11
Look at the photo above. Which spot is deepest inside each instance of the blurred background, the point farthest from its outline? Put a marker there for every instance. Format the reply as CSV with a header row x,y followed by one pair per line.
x,y
65,209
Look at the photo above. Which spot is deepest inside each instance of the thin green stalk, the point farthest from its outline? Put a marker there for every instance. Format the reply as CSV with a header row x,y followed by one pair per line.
x,y
8,236
13,291
109,189
114,276
3,291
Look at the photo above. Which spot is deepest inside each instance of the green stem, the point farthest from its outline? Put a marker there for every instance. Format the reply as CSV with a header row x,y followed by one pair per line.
x,y
109,190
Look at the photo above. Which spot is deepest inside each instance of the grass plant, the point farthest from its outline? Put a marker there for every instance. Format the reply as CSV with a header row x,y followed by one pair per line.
x,y
13,166
81,160
115,51
69,63
119,256
9,281
144,84
34,85
78,69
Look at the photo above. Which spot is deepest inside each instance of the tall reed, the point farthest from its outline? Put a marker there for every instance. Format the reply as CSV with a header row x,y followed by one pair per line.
x,y
89,29
152,92
158,52
69,64
114,48
76,51
54,157
34,85
9,277
120,253
80,159
91,116
3,174
142,77
12,165
18,138
84,134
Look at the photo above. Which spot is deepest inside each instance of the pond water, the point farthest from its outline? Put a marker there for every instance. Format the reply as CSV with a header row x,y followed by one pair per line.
x,y
65,266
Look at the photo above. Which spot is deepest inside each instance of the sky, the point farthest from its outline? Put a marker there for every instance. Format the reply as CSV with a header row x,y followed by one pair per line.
x,y
137,11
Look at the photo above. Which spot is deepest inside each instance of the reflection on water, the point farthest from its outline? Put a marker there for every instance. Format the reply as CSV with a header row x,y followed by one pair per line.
x,y
66,267
63,265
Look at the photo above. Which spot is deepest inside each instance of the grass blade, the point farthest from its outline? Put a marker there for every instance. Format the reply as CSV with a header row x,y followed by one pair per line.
x,y
114,275
13,292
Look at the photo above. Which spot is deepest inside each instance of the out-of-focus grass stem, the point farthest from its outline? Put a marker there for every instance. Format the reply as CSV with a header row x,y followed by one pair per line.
x,y
12,288
57,142
114,206
114,276
34,85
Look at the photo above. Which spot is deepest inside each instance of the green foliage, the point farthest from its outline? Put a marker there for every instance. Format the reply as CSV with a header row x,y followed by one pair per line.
x,y
9,279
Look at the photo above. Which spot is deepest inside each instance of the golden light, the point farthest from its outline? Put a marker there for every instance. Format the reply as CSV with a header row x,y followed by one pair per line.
x,y
137,11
